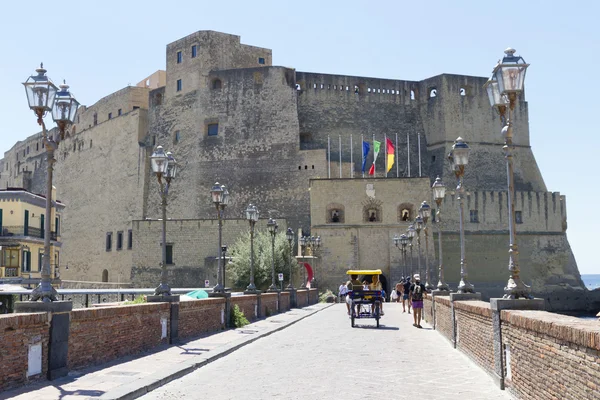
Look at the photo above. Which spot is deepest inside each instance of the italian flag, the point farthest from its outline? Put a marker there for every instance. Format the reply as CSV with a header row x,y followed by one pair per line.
x,y
376,146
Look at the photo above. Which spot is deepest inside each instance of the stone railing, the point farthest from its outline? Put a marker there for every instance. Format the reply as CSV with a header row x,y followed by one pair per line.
x,y
532,354
103,334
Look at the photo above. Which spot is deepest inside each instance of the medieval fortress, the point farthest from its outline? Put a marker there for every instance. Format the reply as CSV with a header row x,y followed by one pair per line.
x,y
229,115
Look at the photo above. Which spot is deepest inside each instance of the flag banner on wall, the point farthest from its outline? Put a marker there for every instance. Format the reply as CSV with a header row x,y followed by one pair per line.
x,y
390,154
376,146
366,149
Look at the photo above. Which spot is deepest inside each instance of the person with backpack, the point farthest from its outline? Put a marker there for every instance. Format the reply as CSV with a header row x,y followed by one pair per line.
x,y
417,293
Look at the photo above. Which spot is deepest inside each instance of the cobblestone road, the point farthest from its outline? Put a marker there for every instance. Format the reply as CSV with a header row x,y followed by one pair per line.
x,y
322,357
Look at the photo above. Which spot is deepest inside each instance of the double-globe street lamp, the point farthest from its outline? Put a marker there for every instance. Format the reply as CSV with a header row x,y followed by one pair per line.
x,y
459,156
425,212
44,96
252,217
401,242
410,232
272,226
220,198
164,166
503,89
439,192
289,235
418,225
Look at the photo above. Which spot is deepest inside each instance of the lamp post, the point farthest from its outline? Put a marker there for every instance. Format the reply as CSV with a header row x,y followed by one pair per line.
x,y
503,89
425,212
290,238
164,166
252,217
439,192
44,96
410,232
220,198
316,246
459,158
272,226
418,227
400,242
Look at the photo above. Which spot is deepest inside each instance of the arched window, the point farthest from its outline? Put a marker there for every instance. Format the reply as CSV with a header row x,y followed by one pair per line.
x,y
105,275
372,213
406,212
335,213
217,84
432,92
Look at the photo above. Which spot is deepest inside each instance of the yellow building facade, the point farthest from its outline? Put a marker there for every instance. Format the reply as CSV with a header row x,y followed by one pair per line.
x,y
22,230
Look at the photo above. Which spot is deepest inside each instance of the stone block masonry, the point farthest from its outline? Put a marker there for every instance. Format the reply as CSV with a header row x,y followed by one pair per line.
x,y
18,334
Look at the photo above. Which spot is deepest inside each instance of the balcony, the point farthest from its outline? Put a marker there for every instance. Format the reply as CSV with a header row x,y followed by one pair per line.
x,y
20,231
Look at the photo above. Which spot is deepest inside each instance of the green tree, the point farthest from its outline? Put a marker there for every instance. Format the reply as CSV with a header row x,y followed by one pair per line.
x,y
239,269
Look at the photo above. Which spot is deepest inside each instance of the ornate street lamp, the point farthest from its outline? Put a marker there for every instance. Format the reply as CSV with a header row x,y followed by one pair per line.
x,y
503,89
459,158
290,238
425,212
419,227
220,198
410,232
164,166
400,242
44,96
272,226
439,192
252,217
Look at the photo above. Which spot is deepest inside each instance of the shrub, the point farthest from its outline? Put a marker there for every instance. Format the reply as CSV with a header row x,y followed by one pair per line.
x,y
327,297
137,300
238,319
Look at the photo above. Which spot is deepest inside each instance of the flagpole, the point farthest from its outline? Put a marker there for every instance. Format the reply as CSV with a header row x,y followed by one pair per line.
x,y
351,161
385,157
340,147
374,159
397,157
362,140
328,157
408,152
419,144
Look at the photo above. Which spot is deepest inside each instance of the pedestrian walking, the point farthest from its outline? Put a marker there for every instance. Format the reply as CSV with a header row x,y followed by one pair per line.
x,y
405,296
417,294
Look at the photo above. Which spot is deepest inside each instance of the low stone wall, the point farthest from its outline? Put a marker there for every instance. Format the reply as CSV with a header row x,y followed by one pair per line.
x,y
313,296
18,332
550,355
201,316
302,298
99,335
285,301
428,309
443,317
475,333
248,304
269,304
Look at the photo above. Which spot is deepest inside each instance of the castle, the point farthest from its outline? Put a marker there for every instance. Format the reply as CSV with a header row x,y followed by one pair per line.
x,y
290,142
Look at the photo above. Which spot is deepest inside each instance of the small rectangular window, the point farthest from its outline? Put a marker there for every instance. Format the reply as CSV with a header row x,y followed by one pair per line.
x,y
40,259
176,137
213,129
169,254
194,51
119,240
261,60
129,239
179,57
518,217
136,107
179,85
120,111
108,241
474,216
109,115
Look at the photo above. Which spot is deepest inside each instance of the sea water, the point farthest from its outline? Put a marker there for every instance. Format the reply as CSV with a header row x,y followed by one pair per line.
x,y
591,281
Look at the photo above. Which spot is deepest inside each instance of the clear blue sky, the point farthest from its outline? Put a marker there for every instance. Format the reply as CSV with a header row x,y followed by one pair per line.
x,y
102,46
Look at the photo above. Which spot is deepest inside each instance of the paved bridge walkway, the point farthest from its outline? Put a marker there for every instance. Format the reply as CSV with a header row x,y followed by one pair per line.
x,y
310,353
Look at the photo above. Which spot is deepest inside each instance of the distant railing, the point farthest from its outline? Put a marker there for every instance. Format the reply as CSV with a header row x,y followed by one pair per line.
x,y
29,231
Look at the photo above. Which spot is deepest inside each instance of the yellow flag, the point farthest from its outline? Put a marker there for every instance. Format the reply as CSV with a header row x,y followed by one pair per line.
x,y
390,154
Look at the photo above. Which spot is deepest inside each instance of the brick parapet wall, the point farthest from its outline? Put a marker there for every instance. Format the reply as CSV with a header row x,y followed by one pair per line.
x,y
269,304
313,296
428,309
100,335
247,304
443,316
285,301
551,355
201,316
302,298
18,332
475,333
